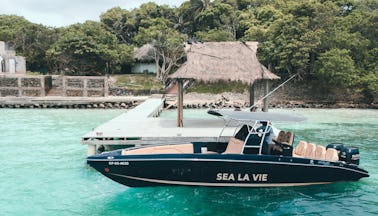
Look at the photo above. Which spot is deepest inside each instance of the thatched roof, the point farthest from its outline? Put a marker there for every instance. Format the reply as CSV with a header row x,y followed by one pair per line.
x,y
146,53
223,61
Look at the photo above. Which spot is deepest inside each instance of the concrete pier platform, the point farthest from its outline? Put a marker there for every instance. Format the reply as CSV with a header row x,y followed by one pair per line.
x,y
141,126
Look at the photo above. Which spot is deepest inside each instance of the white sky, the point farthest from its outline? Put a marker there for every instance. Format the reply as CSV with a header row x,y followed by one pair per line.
x,y
58,13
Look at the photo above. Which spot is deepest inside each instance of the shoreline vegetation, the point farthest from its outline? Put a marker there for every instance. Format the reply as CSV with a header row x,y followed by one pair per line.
x,y
331,45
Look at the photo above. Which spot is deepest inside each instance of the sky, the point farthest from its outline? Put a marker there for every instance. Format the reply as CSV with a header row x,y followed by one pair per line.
x,y
59,13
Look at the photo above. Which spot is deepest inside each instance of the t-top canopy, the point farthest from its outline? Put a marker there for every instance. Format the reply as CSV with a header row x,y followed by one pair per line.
x,y
244,116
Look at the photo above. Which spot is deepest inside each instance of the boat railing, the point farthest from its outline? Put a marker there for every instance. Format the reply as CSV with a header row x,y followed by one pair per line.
x,y
253,130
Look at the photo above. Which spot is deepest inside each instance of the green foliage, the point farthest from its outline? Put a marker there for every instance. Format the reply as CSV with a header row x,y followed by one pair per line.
x,y
336,67
215,35
217,88
88,49
138,81
168,44
332,42
120,22
29,40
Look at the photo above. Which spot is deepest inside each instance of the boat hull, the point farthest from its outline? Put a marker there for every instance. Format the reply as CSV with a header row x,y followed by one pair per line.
x,y
222,170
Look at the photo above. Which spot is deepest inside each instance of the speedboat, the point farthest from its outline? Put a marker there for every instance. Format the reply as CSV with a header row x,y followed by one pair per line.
x,y
255,156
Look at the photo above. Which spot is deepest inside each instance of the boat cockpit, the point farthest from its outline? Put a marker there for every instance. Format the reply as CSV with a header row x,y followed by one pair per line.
x,y
254,134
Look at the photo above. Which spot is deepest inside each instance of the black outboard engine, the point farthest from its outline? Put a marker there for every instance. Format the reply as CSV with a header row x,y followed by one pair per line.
x,y
350,155
337,146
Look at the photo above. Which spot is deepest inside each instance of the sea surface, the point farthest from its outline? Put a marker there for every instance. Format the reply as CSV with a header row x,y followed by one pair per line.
x,y
43,171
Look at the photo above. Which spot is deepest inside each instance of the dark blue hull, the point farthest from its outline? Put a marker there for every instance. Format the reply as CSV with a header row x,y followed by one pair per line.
x,y
221,170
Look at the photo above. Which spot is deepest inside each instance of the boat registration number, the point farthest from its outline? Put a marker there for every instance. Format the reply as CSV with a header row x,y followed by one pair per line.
x,y
119,163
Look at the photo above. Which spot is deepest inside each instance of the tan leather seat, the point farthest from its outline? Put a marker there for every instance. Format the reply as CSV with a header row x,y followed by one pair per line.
x,y
320,152
331,155
164,149
310,151
300,150
285,137
235,146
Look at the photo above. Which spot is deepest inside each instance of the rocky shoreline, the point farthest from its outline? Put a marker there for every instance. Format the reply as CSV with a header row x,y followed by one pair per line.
x,y
71,102
106,105
191,101
235,100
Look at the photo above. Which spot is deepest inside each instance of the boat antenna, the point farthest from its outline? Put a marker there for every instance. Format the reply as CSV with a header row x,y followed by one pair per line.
x,y
271,92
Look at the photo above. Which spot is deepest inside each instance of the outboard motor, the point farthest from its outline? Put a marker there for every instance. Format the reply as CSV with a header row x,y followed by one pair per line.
x,y
337,146
350,155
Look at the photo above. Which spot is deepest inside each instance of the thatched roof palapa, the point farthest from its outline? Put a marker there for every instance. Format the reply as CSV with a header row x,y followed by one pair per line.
x,y
146,53
223,61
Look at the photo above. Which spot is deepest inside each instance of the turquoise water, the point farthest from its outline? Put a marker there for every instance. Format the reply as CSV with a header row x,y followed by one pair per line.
x,y
43,171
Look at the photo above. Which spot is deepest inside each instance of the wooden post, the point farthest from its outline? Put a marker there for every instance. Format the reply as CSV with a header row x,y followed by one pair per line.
x,y
180,102
85,89
266,99
43,87
19,84
251,94
64,87
106,86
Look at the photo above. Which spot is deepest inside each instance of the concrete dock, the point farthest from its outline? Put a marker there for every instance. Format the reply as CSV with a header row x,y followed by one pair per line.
x,y
141,126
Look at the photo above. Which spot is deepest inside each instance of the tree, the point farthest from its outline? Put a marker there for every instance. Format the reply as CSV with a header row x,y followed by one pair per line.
x,y
289,45
28,39
88,49
336,68
121,23
150,11
168,44
215,35
188,13
216,17
256,26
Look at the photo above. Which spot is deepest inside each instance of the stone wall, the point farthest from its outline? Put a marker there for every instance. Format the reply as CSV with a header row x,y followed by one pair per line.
x,y
24,86
70,86
81,86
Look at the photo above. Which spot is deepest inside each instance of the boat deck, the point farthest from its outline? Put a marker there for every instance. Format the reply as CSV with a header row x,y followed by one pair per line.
x,y
141,126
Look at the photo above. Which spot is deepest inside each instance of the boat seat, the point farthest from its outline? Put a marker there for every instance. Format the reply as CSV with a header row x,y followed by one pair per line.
x,y
164,149
235,146
331,155
285,137
310,151
320,152
301,149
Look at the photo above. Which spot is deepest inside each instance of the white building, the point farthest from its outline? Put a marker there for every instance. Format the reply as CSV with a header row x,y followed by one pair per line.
x,y
9,62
